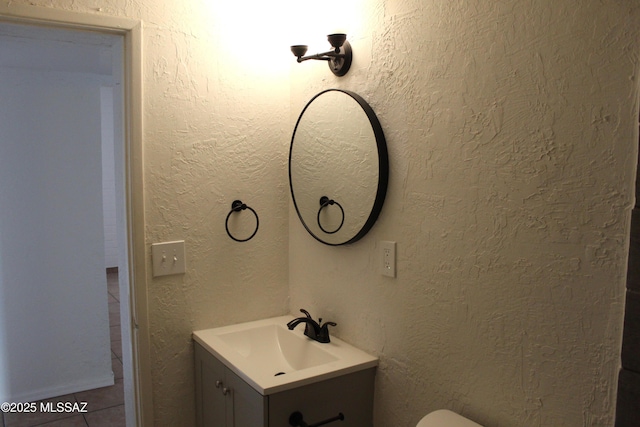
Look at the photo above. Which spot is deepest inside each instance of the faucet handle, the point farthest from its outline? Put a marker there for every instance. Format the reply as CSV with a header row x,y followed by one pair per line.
x,y
302,310
323,336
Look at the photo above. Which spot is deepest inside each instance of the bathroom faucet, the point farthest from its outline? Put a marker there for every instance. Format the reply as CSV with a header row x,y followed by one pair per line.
x,y
312,328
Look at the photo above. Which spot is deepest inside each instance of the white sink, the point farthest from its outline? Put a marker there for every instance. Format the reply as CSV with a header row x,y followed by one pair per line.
x,y
276,347
271,358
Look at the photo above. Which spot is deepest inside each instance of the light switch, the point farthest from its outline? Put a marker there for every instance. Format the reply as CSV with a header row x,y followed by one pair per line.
x,y
168,258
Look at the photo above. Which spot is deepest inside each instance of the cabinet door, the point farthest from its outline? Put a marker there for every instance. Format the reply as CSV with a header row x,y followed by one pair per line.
x,y
249,407
223,399
210,402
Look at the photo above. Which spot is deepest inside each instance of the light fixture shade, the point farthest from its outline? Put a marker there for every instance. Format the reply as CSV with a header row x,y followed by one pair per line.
x,y
299,50
337,39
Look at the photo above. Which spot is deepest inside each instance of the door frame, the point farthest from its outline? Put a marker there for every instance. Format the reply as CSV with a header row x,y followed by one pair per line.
x,y
131,30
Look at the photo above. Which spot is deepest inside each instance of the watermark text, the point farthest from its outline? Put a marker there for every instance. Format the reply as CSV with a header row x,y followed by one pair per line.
x,y
49,407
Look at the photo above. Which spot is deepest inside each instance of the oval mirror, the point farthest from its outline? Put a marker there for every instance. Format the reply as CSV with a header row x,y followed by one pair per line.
x,y
338,167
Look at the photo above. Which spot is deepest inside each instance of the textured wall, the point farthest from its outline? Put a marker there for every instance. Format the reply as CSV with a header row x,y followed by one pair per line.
x,y
512,142
215,130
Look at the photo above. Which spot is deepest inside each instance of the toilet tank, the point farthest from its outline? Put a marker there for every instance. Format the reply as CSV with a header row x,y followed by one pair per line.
x,y
446,418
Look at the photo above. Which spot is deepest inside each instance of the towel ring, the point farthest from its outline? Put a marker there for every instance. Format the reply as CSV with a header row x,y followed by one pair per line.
x,y
324,202
238,206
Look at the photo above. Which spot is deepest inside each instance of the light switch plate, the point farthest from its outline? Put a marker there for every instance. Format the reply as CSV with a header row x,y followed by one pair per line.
x,y
168,258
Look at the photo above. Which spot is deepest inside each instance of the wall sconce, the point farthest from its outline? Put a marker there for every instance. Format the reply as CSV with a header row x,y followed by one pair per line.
x,y
339,58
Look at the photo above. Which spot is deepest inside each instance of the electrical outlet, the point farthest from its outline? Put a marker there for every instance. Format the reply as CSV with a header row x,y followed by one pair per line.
x,y
168,258
388,258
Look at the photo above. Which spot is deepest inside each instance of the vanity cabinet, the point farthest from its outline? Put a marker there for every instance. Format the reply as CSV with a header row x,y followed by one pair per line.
x,y
223,399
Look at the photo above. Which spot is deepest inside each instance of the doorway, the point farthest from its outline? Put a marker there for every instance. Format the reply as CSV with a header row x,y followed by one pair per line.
x,y
128,170
60,109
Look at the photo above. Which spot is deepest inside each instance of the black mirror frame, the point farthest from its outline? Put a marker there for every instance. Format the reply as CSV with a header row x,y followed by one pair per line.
x,y
383,168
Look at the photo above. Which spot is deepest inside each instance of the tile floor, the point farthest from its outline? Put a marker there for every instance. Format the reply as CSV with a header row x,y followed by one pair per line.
x,y
105,406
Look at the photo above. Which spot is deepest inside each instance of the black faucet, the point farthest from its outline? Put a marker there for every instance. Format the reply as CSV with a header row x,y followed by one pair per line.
x,y
312,328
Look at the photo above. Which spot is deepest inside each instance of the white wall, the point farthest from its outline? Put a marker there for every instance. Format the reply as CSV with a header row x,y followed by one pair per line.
x,y
54,308
216,129
512,139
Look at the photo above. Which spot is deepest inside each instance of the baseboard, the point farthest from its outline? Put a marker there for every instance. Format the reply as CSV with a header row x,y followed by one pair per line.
x,y
62,390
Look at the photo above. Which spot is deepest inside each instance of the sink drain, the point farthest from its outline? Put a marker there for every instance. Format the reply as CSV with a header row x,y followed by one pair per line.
x,y
279,373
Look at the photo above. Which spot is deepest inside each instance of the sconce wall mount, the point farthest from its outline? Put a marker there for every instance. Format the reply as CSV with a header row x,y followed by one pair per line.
x,y
339,58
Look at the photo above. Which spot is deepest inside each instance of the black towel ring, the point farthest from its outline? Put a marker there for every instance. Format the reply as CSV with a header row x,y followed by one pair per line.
x,y
238,206
325,201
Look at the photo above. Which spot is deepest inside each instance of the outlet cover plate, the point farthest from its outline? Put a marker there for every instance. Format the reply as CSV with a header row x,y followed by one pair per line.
x,y
388,258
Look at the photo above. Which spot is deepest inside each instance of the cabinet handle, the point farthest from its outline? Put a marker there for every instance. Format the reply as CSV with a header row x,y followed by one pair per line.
x,y
226,391
218,384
